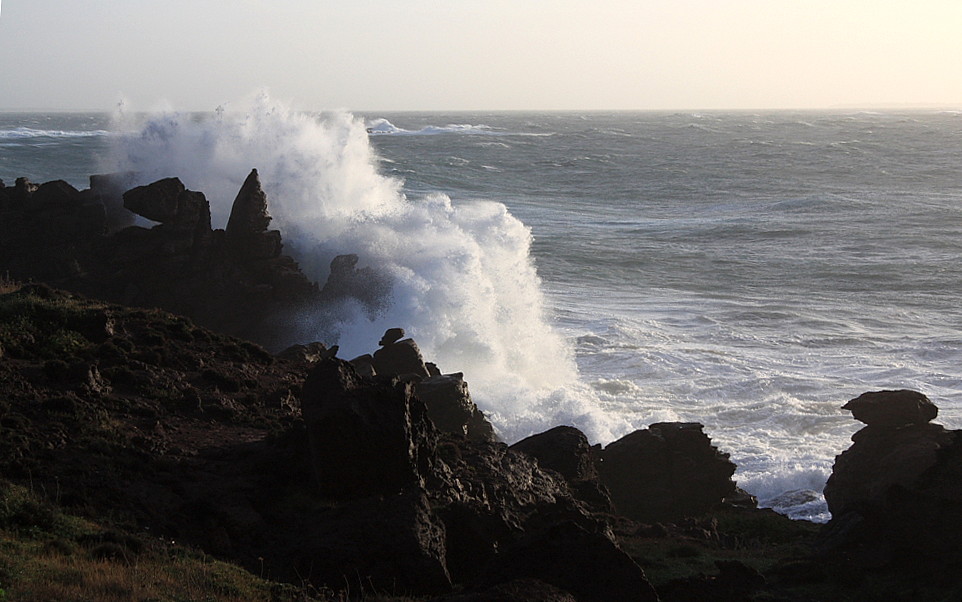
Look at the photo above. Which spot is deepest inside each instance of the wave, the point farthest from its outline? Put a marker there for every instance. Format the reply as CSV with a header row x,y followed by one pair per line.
x,y
462,281
381,127
25,133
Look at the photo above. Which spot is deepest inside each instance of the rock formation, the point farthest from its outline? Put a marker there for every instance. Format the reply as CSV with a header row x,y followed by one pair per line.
x,y
666,471
896,493
236,282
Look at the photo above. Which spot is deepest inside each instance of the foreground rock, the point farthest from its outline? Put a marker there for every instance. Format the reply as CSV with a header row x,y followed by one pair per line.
x,y
896,494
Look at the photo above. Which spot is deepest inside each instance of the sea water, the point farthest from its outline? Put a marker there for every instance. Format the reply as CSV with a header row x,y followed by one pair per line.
x,y
749,271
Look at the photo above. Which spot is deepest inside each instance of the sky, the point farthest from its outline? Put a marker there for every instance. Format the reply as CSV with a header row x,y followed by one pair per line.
x,y
481,54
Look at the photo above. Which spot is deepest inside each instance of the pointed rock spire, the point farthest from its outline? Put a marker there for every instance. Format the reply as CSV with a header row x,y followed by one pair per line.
x,y
247,233
249,213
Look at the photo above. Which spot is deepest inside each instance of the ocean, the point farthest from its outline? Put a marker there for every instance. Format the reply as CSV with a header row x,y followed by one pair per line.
x,y
751,271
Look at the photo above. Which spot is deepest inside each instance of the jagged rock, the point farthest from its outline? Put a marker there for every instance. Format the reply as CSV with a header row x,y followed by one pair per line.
x,y
450,407
167,201
667,471
400,358
246,231
566,450
892,408
490,497
55,234
366,438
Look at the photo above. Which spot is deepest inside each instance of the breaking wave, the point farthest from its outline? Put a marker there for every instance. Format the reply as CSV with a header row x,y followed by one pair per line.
x,y
463,283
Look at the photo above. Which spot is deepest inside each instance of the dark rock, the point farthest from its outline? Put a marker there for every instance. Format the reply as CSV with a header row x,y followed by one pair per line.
x,y
310,353
735,582
391,335
366,438
54,193
565,450
366,285
248,214
576,560
364,364
391,544
22,190
667,471
450,407
108,190
880,459
167,201
246,232
892,408
896,494
400,358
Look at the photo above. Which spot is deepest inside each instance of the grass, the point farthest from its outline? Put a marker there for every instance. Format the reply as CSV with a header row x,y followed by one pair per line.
x,y
48,555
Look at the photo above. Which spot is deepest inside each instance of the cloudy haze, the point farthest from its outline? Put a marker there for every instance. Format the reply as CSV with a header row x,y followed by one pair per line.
x,y
481,54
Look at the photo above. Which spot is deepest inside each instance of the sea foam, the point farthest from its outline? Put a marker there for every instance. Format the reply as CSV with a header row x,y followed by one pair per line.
x,y
463,283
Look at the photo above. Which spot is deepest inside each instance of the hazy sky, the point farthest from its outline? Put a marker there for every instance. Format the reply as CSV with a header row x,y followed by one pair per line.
x,y
481,54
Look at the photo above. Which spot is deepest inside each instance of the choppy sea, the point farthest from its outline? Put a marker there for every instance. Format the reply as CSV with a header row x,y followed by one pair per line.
x,y
751,271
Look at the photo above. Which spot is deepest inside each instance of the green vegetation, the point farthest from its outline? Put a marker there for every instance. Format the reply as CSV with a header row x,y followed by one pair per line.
x,y
48,555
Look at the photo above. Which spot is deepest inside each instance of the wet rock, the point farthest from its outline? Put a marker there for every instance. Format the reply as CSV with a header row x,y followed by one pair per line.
x,y
400,358
565,450
366,285
892,408
450,407
667,471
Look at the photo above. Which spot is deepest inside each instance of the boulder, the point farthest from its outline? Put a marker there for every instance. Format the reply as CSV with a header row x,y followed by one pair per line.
x,y
450,407
167,201
668,471
400,358
892,408
391,335
566,450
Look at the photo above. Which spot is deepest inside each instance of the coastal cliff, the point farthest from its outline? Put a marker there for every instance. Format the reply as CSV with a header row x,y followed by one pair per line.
x,y
140,440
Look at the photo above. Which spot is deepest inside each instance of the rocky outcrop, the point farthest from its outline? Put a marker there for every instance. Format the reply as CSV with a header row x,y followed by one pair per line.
x,y
667,471
897,491
236,282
